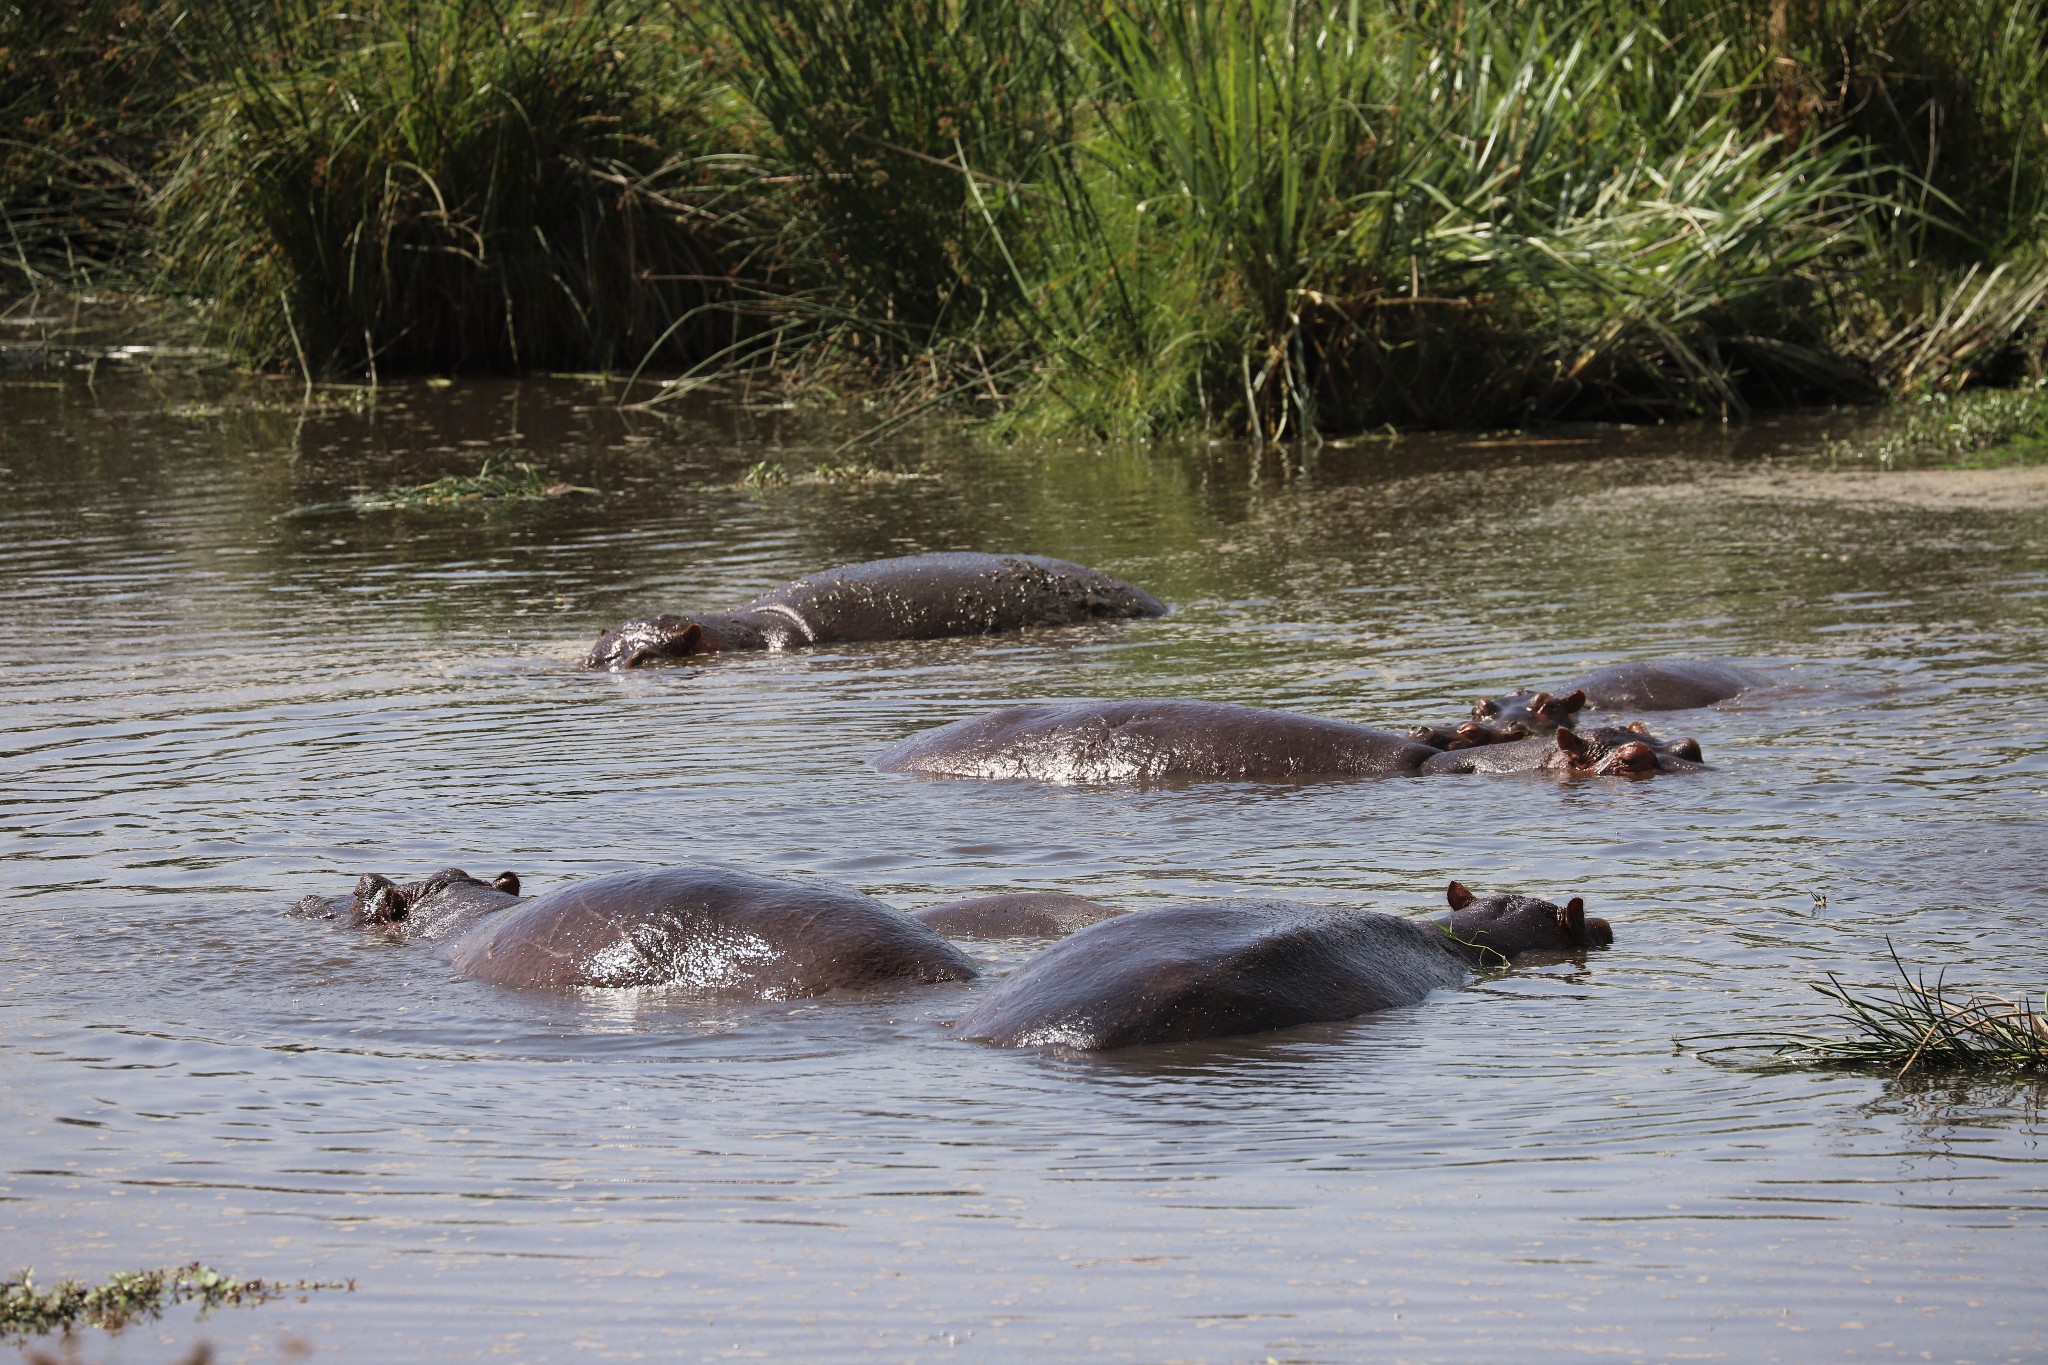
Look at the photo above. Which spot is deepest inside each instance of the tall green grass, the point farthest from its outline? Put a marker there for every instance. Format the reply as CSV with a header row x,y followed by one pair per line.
x,y
442,184
1268,217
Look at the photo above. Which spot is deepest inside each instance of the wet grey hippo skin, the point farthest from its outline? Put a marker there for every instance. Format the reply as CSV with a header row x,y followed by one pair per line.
x,y
1668,685
701,928
918,597
1605,751
1019,914
1218,968
1163,740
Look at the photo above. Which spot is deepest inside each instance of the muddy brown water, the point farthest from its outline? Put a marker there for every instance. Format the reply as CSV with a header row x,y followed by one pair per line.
x,y
215,702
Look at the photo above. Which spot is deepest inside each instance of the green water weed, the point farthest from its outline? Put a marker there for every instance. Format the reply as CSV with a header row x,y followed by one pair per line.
x,y
28,1309
501,479
1921,1026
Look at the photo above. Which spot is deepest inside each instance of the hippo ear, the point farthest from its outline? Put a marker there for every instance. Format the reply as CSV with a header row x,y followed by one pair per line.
x,y
690,639
508,882
1459,895
1574,700
1574,748
1571,920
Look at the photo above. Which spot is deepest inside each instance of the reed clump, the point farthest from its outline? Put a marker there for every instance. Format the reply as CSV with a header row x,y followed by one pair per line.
x,y
412,184
1921,1026
1268,217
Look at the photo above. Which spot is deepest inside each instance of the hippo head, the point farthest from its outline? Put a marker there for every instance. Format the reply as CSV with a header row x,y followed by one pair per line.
x,y
1614,751
380,901
1538,713
1496,928
636,643
1469,734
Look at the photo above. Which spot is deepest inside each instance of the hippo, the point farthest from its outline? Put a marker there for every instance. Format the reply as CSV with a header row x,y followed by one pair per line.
x,y
1020,914
1213,969
916,597
705,929
1609,751
436,907
1669,685
1164,740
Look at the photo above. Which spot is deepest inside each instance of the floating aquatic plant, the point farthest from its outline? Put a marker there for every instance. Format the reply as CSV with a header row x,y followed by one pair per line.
x,y
1923,1026
774,474
502,479
29,1309
1975,429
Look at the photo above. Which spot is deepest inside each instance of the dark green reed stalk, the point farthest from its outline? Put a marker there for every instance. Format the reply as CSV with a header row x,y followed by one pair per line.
x,y
444,184
926,137
1947,104
88,96
1356,215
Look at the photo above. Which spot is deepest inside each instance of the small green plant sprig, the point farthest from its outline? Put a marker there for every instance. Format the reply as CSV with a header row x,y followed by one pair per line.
x,y
1923,1026
501,479
28,1309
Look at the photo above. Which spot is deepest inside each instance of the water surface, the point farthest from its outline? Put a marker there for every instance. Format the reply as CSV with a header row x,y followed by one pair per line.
x,y
216,701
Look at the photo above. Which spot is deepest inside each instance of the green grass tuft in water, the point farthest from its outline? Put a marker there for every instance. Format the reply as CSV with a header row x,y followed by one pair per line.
x,y
1921,1026
28,1309
501,479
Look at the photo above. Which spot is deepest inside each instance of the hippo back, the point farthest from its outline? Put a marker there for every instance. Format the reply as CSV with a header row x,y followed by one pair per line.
x,y
1015,914
1669,685
709,930
1153,741
1210,970
924,597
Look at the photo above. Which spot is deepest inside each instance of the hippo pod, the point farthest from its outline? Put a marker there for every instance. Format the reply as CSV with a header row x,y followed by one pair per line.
x,y
1609,751
1162,740
1218,968
917,597
1669,685
702,929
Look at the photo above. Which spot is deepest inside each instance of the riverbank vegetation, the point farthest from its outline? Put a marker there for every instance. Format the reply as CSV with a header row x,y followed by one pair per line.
x,y
1257,217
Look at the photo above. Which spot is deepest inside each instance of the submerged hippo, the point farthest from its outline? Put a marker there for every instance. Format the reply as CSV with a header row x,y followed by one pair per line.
x,y
1670,685
702,928
435,907
917,597
1162,740
1218,968
1020,914
1608,751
